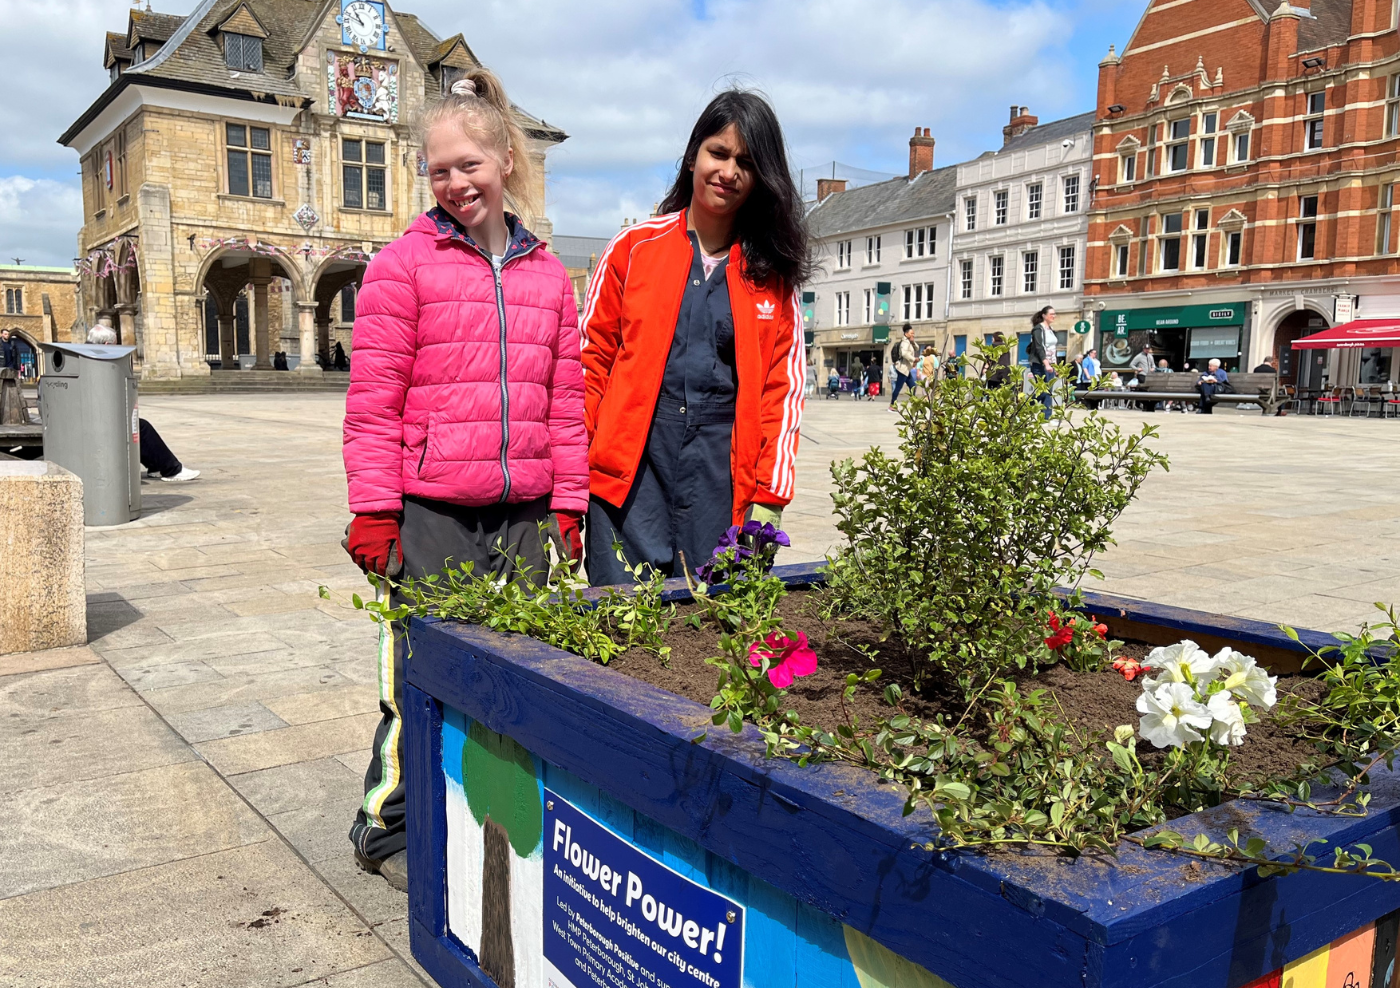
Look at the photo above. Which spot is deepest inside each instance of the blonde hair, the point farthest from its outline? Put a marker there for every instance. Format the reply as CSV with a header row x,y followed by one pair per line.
x,y
479,105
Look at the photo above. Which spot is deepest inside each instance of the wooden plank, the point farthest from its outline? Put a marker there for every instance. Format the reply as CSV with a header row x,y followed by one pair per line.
x,y
1145,919
426,806
728,798
449,963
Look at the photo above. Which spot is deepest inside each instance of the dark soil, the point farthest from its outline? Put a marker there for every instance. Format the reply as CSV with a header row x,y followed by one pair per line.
x,y
1092,701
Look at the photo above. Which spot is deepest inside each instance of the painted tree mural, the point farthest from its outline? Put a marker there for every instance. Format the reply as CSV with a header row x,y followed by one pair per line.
x,y
503,797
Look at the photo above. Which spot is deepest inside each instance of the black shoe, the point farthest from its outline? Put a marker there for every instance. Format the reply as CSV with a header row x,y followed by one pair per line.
x,y
393,869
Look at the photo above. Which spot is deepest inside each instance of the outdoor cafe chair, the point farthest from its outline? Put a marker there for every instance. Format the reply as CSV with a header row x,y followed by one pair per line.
x,y
1329,401
1390,404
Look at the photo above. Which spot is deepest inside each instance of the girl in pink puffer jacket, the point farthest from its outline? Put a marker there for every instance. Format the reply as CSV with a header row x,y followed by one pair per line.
x,y
464,427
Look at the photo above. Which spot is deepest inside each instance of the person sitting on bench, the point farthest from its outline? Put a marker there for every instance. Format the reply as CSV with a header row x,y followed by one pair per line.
x,y
1213,381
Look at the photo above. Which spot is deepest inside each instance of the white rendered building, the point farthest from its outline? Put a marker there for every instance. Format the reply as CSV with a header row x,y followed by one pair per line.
x,y
1020,233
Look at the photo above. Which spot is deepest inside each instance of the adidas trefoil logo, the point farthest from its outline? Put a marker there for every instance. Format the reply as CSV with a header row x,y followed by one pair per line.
x,y
766,310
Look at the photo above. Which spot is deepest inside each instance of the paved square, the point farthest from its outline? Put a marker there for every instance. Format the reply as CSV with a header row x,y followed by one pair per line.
x,y
193,771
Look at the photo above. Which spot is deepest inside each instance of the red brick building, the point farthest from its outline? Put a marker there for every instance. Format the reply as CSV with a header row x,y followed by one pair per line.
x,y
1246,158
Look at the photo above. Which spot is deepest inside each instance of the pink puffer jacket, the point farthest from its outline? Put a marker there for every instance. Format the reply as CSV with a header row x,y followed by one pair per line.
x,y
451,398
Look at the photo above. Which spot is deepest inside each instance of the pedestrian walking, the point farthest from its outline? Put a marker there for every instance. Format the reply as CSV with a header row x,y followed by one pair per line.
x,y
9,350
811,380
903,361
454,453
693,352
1042,352
1089,367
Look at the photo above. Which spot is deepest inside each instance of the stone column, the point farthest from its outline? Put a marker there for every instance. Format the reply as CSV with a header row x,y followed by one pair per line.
x,y
306,326
260,276
126,327
323,338
228,340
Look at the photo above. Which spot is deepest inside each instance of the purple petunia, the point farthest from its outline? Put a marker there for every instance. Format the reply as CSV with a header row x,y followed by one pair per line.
x,y
738,545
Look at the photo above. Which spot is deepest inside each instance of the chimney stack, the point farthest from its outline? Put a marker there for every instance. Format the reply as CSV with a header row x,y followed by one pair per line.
x,y
826,186
920,152
1021,121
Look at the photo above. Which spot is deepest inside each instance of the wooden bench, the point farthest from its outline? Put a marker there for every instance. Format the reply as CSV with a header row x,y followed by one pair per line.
x,y
1250,389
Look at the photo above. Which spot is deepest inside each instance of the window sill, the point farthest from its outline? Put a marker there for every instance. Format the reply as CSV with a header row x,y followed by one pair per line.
x,y
868,266
123,200
99,214
257,200
916,260
385,212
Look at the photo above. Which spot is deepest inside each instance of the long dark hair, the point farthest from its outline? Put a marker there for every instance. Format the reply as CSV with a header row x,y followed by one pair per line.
x,y
1039,317
770,228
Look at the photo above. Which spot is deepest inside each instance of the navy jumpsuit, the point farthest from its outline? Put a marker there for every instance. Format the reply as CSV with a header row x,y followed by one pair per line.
x,y
682,498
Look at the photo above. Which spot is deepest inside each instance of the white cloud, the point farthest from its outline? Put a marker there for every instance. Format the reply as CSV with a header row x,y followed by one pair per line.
x,y
39,220
850,81
626,79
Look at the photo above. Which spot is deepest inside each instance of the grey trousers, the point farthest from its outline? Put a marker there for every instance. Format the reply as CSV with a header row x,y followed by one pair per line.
x,y
435,535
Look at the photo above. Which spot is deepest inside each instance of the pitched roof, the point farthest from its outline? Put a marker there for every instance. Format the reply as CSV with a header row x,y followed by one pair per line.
x,y
1329,24
115,50
192,58
147,25
927,195
575,252
1056,130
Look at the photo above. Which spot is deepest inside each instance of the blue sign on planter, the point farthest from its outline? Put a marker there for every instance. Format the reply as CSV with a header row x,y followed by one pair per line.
x,y
615,917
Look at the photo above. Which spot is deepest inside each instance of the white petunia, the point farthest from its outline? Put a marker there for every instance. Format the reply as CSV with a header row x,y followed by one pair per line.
x,y
1172,716
1244,677
1184,662
1228,726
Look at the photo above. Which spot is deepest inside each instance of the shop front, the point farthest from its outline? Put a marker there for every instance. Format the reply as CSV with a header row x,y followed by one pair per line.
x,y
848,350
1185,335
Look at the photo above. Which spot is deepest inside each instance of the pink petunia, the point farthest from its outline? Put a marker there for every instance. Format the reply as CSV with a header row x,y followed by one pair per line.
x,y
787,658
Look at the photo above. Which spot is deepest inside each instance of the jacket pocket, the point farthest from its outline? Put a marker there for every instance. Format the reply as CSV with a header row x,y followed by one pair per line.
x,y
427,446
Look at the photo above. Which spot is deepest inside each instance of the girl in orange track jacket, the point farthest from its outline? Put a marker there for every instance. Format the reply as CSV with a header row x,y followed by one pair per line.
x,y
693,352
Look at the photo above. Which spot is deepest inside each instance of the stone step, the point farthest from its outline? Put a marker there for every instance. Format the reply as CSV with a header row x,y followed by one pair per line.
x,y
247,382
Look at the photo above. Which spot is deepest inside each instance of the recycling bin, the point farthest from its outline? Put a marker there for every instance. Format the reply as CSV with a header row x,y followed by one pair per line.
x,y
87,399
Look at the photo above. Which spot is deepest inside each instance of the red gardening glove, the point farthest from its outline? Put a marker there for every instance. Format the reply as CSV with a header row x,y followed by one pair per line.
x,y
571,531
371,539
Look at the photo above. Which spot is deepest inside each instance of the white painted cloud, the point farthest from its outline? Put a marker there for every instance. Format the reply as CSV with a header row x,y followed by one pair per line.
x,y
626,78
39,220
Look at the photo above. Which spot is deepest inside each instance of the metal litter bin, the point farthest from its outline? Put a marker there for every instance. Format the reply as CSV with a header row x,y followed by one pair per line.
x,y
87,399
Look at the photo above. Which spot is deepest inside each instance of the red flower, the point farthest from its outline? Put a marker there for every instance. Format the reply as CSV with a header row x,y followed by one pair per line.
x,y
787,658
1130,668
1060,635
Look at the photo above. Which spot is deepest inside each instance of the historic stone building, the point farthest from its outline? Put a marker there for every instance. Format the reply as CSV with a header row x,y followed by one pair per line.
x,y
1246,160
1020,233
243,166
41,306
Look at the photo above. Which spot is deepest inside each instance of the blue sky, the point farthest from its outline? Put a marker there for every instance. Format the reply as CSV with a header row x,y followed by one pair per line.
x,y
625,78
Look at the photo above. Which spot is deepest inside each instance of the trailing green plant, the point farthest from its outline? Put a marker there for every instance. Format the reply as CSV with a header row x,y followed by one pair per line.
x,y
957,545
757,661
558,609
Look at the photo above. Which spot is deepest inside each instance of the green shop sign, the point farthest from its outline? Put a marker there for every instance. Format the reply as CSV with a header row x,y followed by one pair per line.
x,y
880,334
1120,322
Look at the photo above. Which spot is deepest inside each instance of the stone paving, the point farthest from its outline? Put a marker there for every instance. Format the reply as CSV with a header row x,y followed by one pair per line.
x,y
180,789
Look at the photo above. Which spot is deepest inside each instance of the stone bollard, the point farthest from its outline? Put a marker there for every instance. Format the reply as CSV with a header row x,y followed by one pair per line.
x,y
43,603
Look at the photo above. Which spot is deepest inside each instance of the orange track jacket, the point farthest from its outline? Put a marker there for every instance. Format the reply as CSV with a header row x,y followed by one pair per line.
x,y
629,319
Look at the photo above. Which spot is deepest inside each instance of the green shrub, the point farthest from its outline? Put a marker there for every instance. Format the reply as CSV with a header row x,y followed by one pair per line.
x,y
956,545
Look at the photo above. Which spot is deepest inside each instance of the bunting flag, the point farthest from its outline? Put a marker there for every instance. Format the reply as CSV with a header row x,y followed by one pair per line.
x,y
109,259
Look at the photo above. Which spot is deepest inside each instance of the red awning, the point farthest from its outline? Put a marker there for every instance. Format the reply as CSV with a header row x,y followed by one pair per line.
x,y
1361,333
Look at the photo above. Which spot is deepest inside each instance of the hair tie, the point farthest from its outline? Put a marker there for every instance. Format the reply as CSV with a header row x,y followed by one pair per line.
x,y
464,87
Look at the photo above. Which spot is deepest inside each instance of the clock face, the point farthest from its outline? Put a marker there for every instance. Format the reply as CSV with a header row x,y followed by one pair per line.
x,y
362,23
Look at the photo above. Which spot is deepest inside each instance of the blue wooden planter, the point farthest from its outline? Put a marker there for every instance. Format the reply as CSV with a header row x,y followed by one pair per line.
x,y
520,754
